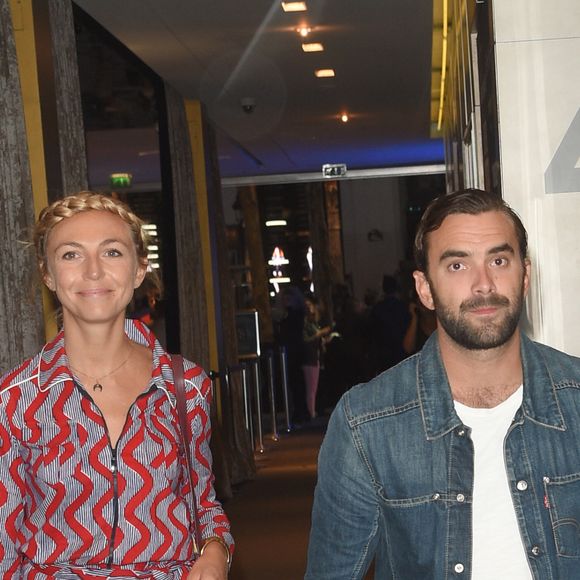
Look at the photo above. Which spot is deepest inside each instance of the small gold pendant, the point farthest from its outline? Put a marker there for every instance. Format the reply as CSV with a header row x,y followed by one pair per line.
x,y
97,387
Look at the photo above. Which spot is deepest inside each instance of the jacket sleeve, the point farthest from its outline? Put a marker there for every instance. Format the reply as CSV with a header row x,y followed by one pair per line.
x,y
346,512
11,494
211,517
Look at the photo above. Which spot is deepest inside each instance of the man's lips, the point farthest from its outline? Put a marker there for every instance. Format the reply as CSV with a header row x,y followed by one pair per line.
x,y
485,307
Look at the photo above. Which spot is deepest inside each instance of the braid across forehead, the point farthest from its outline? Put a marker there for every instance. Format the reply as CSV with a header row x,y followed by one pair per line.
x,y
84,201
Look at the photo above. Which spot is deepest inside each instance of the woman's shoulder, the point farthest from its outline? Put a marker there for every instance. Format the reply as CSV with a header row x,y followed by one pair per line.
x,y
25,373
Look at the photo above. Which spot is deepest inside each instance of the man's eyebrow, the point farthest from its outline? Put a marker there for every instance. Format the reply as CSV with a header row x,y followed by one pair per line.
x,y
501,248
453,254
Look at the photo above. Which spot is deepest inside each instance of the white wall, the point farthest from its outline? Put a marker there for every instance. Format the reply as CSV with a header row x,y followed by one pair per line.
x,y
538,73
366,205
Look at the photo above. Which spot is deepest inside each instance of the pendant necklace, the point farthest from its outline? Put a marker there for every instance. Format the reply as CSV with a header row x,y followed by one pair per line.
x,y
97,386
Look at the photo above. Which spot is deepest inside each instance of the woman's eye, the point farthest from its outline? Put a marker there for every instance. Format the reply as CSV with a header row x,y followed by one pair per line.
x,y
69,255
112,253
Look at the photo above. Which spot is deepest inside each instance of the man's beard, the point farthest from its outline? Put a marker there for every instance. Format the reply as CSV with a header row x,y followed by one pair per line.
x,y
485,334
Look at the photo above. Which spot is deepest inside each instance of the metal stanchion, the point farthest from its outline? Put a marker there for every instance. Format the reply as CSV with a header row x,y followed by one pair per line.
x,y
248,422
284,373
270,356
260,443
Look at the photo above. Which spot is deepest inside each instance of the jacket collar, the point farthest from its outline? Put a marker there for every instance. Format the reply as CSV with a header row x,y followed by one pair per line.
x,y
540,403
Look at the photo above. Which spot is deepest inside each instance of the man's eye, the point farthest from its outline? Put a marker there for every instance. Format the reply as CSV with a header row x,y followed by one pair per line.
x,y
500,262
456,266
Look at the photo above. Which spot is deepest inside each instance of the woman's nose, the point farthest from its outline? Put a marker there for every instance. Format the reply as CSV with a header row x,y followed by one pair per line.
x,y
93,268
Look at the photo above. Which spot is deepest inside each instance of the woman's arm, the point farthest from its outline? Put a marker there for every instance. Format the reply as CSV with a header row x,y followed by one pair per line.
x,y
11,494
213,522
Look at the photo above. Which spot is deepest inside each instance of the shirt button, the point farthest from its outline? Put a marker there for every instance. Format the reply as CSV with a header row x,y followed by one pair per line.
x,y
536,550
522,485
459,568
460,498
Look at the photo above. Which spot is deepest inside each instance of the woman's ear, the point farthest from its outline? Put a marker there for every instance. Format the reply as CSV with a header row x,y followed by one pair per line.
x,y
423,289
140,273
47,279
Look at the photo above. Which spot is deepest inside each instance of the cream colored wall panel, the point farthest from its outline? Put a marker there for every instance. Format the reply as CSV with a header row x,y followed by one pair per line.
x,y
517,20
539,104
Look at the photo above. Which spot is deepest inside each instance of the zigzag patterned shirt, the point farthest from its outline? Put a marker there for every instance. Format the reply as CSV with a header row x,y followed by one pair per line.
x,y
73,507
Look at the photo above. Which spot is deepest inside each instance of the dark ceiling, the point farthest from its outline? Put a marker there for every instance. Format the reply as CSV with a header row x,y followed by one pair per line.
x,y
224,53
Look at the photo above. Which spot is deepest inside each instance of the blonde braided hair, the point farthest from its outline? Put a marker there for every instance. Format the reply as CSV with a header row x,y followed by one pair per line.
x,y
80,202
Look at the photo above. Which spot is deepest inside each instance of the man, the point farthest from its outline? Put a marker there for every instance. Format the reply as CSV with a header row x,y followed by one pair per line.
x,y
463,461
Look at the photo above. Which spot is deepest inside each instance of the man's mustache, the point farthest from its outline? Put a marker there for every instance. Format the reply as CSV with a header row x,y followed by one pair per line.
x,y
484,302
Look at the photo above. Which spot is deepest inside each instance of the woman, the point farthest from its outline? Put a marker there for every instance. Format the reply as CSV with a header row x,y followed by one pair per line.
x,y
312,336
92,480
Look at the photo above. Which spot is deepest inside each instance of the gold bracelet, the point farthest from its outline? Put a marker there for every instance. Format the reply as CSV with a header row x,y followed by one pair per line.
x,y
221,542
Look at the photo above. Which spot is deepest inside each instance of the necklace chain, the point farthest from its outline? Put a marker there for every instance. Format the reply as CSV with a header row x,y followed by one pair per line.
x,y
97,386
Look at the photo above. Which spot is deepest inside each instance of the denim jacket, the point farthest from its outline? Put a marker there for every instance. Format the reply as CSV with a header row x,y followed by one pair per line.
x,y
395,475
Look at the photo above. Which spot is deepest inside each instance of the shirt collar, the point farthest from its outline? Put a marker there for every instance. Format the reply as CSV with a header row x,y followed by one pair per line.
x,y
53,367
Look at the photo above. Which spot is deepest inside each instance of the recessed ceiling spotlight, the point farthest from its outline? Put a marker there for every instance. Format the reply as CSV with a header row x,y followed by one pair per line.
x,y
344,118
323,73
312,47
294,6
304,31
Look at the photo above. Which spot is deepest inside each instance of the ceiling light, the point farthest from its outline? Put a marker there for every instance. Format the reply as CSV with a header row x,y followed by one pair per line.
x,y
304,31
294,6
274,223
312,47
344,118
324,73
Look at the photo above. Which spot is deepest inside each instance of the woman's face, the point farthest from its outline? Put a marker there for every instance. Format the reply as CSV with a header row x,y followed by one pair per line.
x,y
91,264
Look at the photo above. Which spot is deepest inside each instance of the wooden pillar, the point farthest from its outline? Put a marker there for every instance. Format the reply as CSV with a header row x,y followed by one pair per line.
x,y
321,261
334,223
219,292
191,292
60,98
21,322
253,236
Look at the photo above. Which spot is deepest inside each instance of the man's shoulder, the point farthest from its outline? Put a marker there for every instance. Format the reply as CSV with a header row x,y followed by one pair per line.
x,y
561,366
392,390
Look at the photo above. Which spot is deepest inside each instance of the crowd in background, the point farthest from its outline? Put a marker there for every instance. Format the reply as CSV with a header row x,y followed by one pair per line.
x,y
326,357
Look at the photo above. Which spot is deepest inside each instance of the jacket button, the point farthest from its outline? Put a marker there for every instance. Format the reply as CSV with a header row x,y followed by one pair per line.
x,y
536,550
522,485
460,432
459,568
460,498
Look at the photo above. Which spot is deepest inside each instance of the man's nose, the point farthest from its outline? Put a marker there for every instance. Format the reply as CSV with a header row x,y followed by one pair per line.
x,y
483,282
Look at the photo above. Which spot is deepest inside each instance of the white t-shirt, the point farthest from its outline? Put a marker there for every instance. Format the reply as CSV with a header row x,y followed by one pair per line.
x,y
498,550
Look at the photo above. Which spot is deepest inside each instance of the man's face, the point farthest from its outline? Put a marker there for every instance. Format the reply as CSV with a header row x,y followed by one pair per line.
x,y
475,280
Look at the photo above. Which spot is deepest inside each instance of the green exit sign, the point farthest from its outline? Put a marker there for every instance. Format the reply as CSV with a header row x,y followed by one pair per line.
x,y
121,179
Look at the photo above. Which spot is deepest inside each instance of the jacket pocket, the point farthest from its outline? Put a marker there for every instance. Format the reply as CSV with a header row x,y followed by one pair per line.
x,y
563,495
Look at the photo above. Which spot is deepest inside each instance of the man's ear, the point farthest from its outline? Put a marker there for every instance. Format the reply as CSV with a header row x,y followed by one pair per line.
x,y
423,289
527,275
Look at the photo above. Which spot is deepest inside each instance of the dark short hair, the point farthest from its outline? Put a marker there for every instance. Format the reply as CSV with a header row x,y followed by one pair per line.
x,y
467,201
